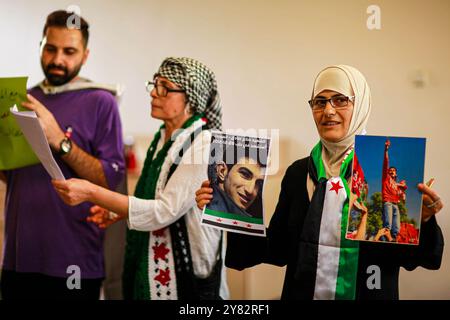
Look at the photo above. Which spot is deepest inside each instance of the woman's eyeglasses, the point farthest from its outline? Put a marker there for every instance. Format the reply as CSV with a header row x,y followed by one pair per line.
x,y
337,102
161,90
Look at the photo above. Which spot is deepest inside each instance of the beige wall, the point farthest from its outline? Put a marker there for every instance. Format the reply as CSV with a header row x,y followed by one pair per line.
x,y
265,55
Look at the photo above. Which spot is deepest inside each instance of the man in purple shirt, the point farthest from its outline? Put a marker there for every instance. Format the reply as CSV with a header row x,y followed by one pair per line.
x,y
50,250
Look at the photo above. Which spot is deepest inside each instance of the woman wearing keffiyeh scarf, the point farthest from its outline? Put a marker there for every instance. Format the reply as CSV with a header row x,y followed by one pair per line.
x,y
169,255
307,230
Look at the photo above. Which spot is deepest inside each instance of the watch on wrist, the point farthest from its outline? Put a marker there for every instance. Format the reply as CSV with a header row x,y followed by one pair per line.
x,y
65,146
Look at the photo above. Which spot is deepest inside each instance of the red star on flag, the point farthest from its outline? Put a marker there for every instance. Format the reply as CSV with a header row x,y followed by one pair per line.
x,y
159,233
235,222
219,220
160,251
163,277
336,187
249,225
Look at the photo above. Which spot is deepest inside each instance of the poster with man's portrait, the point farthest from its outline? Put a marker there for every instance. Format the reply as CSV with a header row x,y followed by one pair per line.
x,y
237,172
385,204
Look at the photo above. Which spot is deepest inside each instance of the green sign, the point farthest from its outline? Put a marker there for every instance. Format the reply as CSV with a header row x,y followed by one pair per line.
x,y
15,152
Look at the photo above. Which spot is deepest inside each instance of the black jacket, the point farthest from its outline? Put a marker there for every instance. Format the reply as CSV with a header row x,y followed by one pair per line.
x,y
282,244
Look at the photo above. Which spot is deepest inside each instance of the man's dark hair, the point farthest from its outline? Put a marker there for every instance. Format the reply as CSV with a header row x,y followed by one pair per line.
x,y
60,18
393,168
236,154
230,154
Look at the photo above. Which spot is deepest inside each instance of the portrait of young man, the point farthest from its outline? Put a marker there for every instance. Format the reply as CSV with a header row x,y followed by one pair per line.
x,y
237,182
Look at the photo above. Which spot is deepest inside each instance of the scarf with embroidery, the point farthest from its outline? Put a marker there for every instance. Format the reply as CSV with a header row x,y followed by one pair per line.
x,y
328,262
136,280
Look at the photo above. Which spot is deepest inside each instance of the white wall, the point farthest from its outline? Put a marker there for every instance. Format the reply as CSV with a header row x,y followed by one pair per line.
x,y
265,55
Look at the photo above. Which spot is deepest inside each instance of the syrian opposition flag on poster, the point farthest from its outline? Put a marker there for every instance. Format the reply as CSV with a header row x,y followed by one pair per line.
x,y
234,222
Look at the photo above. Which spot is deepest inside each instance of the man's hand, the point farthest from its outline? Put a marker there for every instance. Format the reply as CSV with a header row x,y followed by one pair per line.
x,y
102,217
203,195
51,128
387,144
402,184
383,232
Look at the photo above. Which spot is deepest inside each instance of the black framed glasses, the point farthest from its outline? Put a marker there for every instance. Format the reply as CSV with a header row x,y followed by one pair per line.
x,y
161,90
337,102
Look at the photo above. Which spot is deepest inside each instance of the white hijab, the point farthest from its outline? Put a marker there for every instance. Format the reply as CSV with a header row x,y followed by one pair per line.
x,y
348,81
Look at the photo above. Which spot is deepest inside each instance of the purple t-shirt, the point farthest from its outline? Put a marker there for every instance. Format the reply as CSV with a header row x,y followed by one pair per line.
x,y
42,234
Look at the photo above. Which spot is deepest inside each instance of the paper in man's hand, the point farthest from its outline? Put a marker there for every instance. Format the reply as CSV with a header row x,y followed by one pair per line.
x,y
31,128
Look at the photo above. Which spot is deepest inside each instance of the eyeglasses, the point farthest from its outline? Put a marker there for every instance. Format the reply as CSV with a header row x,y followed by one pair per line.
x,y
337,102
161,90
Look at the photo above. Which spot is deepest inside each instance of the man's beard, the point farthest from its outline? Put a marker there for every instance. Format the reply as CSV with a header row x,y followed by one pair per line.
x,y
56,79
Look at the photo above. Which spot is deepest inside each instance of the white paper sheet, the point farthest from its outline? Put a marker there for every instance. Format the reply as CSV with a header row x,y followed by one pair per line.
x,y
31,128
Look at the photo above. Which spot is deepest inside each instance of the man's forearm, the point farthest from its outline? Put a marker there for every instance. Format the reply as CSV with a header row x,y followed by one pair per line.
x,y
385,164
86,166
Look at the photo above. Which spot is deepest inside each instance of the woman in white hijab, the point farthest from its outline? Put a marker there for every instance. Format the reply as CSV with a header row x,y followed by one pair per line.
x,y
307,230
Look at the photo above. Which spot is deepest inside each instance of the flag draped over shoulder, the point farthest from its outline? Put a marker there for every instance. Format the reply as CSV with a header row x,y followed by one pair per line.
x,y
328,262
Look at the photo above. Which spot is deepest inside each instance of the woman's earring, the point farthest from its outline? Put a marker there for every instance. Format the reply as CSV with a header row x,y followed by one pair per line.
x,y
187,109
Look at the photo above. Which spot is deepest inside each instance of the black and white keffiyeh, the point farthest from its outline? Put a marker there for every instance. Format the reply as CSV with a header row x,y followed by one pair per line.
x,y
200,85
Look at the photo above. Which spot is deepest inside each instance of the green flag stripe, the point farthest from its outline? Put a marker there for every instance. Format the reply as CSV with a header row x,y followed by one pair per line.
x,y
317,158
232,216
348,257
